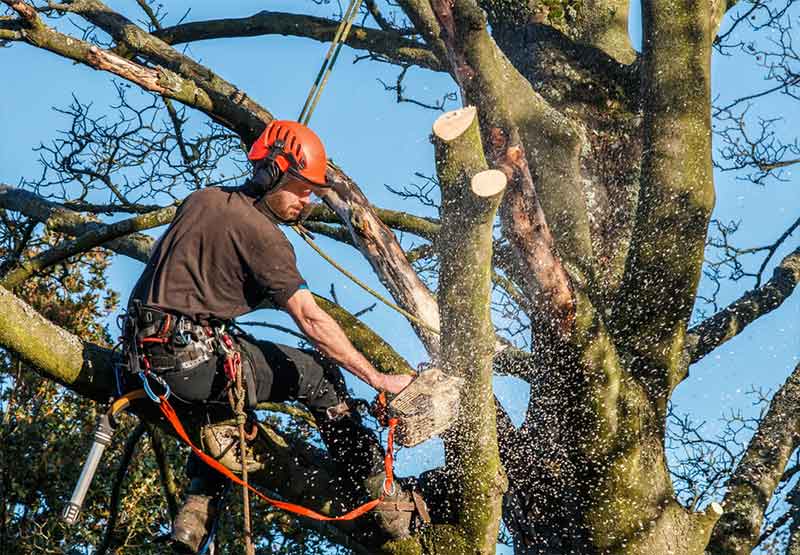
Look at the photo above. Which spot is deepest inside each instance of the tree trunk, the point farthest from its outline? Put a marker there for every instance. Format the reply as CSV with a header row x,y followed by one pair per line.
x,y
470,197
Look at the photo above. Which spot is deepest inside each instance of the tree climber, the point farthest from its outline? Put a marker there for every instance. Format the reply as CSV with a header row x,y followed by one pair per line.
x,y
222,256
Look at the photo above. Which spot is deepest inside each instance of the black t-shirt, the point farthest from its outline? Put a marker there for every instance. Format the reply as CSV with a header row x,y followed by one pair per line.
x,y
221,257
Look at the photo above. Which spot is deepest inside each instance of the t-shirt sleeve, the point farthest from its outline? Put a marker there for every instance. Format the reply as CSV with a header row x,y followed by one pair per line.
x,y
273,265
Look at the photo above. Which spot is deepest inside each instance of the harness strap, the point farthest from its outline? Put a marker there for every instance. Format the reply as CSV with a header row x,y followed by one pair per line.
x,y
172,418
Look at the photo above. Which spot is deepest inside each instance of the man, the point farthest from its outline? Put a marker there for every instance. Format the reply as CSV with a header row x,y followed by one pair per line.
x,y
223,256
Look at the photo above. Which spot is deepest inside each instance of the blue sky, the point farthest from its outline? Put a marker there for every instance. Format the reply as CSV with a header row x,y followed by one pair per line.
x,y
380,142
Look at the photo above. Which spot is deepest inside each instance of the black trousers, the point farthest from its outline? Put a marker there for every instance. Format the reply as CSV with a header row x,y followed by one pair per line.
x,y
283,373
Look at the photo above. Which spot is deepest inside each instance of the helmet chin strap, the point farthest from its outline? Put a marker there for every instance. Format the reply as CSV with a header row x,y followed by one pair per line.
x,y
268,178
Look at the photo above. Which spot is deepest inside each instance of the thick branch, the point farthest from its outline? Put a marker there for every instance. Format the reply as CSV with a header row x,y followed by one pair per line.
x,y
604,24
89,240
380,247
731,321
677,190
424,21
426,228
388,44
758,473
470,197
487,78
55,352
11,29
165,473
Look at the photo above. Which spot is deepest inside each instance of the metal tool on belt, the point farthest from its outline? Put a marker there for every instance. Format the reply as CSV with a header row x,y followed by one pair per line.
x,y
102,438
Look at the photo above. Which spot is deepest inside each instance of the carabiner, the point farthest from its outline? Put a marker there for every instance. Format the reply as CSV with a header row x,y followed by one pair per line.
x,y
147,389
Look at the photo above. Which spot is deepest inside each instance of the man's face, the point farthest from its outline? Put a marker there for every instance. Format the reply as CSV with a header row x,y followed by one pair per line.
x,y
290,198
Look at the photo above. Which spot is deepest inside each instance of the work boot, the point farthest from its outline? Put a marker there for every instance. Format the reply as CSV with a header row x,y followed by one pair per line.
x,y
402,508
193,523
203,500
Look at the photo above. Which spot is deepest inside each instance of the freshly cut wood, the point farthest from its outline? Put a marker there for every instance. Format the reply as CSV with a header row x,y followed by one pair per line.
x,y
453,124
488,183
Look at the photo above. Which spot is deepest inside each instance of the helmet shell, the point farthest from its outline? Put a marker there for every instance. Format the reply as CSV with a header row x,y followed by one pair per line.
x,y
295,148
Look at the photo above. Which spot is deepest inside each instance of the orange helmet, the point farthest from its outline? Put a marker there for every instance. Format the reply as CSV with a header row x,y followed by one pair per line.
x,y
294,148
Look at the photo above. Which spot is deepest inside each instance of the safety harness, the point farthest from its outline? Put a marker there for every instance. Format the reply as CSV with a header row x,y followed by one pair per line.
x,y
147,328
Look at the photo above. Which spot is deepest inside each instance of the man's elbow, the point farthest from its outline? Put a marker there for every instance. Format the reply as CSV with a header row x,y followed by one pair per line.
x,y
304,309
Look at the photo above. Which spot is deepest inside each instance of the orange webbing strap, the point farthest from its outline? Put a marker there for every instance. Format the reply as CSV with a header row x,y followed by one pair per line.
x,y
169,414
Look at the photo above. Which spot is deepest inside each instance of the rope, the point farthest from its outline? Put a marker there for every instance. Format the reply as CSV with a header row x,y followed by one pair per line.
x,y
388,462
330,60
304,233
236,399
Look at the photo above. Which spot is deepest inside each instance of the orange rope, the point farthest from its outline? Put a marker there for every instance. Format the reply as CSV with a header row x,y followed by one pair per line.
x,y
172,418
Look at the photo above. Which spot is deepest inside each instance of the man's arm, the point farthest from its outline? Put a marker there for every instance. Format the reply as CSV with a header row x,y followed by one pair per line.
x,y
331,340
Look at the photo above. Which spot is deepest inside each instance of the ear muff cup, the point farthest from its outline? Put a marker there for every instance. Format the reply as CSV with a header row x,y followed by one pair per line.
x,y
266,176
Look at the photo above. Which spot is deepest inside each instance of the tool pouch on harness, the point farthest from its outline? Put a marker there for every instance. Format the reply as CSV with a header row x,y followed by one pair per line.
x,y
165,343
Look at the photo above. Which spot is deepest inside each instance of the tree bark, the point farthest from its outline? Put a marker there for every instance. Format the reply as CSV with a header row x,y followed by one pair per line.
x,y
758,473
470,197
676,196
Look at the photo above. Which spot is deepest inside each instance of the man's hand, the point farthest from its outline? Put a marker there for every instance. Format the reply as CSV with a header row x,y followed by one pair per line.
x,y
393,383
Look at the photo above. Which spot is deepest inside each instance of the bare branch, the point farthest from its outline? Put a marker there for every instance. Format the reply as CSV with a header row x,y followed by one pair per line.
x,y
759,472
390,44
93,238
729,322
471,194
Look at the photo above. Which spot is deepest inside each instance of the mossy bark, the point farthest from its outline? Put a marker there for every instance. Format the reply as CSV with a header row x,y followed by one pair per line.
x,y
677,191
465,248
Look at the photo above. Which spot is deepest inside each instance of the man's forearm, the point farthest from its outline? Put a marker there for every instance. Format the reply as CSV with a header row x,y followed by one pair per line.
x,y
329,338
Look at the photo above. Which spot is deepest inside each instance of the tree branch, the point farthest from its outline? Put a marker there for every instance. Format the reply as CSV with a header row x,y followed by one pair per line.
x,y
732,320
389,44
165,472
676,195
427,228
89,240
387,258
470,197
58,218
758,472
484,75
11,30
